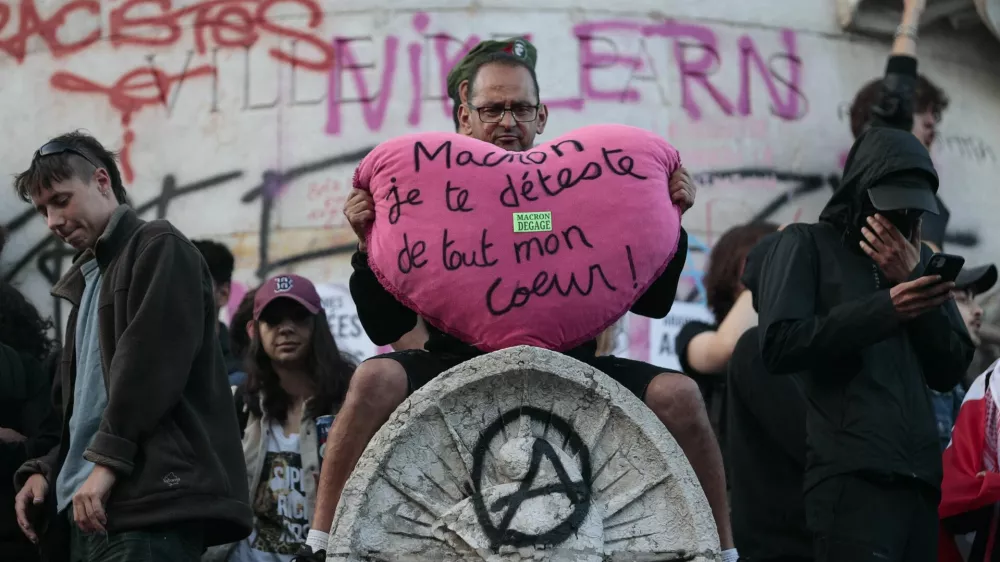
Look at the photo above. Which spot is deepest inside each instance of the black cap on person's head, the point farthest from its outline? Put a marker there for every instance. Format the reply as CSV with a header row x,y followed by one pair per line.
x,y
905,192
977,279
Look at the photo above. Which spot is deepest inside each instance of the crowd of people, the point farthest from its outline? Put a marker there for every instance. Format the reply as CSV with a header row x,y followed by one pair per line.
x,y
837,364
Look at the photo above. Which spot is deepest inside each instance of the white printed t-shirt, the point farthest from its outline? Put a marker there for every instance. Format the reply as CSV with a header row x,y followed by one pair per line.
x,y
279,504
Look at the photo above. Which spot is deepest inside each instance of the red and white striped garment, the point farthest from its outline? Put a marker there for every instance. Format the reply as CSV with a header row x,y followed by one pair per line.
x,y
970,489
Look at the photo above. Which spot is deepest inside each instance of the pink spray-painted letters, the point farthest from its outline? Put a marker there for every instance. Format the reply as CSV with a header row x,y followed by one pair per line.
x,y
546,247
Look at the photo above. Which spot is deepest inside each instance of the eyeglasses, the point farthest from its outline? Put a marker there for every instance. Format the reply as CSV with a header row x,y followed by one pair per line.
x,y
494,114
59,147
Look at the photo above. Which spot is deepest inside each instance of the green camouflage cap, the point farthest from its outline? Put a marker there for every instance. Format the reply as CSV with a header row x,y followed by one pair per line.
x,y
515,46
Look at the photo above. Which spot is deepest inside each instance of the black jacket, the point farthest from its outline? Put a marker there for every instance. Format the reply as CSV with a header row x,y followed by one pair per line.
x,y
385,319
825,310
25,407
767,457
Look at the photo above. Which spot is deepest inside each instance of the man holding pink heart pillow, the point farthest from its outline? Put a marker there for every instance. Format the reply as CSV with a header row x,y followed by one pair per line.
x,y
497,94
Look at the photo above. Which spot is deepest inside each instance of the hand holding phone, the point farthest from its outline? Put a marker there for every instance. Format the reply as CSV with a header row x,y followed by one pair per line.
x,y
947,266
913,298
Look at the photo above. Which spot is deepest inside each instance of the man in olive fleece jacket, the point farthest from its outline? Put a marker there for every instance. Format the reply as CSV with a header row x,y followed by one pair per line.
x,y
162,473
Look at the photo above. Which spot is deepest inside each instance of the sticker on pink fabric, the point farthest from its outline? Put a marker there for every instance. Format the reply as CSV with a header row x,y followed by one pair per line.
x,y
593,227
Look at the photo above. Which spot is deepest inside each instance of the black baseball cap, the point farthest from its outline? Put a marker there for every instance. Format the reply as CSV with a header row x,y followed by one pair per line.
x,y
978,279
904,192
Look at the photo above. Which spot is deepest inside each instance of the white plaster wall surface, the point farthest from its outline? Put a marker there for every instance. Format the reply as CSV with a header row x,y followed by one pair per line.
x,y
523,454
242,120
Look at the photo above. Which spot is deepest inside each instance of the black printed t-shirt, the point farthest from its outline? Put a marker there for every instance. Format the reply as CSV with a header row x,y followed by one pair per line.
x,y
712,385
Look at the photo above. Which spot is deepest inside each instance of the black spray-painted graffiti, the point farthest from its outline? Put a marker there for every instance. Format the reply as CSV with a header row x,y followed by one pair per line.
x,y
578,493
49,254
268,190
801,185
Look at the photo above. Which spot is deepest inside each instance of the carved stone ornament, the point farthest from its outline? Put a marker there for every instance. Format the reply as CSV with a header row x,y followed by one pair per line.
x,y
523,454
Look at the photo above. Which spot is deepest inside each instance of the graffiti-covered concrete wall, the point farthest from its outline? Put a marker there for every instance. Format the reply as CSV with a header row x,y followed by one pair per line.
x,y
242,120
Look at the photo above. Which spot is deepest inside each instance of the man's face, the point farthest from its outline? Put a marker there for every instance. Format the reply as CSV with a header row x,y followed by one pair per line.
x,y
77,211
972,313
500,87
925,127
285,329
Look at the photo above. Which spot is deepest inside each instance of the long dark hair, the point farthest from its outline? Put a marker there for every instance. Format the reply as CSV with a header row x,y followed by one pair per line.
x,y
328,368
21,326
725,265
239,339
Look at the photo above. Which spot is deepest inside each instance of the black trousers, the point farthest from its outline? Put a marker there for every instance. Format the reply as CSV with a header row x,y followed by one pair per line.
x,y
862,517
180,544
18,551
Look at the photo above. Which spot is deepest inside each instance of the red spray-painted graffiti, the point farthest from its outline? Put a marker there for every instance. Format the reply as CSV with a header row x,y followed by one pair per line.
x,y
215,24
232,24
32,24
229,24
144,86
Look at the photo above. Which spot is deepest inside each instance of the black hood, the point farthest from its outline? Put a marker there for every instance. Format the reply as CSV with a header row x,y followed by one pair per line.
x,y
878,153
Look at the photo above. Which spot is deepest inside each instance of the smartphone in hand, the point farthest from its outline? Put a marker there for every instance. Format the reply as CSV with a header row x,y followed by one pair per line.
x,y
948,266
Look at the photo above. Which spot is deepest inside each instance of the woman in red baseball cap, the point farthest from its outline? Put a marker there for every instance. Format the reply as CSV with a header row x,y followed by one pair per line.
x,y
297,381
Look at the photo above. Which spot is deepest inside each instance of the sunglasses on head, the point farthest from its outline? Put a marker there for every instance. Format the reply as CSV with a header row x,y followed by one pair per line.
x,y
59,147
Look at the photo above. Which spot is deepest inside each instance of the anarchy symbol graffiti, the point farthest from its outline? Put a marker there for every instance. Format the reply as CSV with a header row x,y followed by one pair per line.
x,y
578,493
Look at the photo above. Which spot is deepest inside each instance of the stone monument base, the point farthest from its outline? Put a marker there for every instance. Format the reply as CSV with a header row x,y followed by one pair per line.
x,y
523,454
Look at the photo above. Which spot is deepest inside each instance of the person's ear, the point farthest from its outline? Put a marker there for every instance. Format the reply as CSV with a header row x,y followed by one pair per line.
x,y
251,331
463,91
103,181
464,119
543,118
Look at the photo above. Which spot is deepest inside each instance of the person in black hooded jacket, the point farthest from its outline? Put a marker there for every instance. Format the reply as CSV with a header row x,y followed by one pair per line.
x,y
766,449
844,301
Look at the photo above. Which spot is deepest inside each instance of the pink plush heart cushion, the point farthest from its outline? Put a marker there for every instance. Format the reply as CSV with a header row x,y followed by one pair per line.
x,y
547,247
